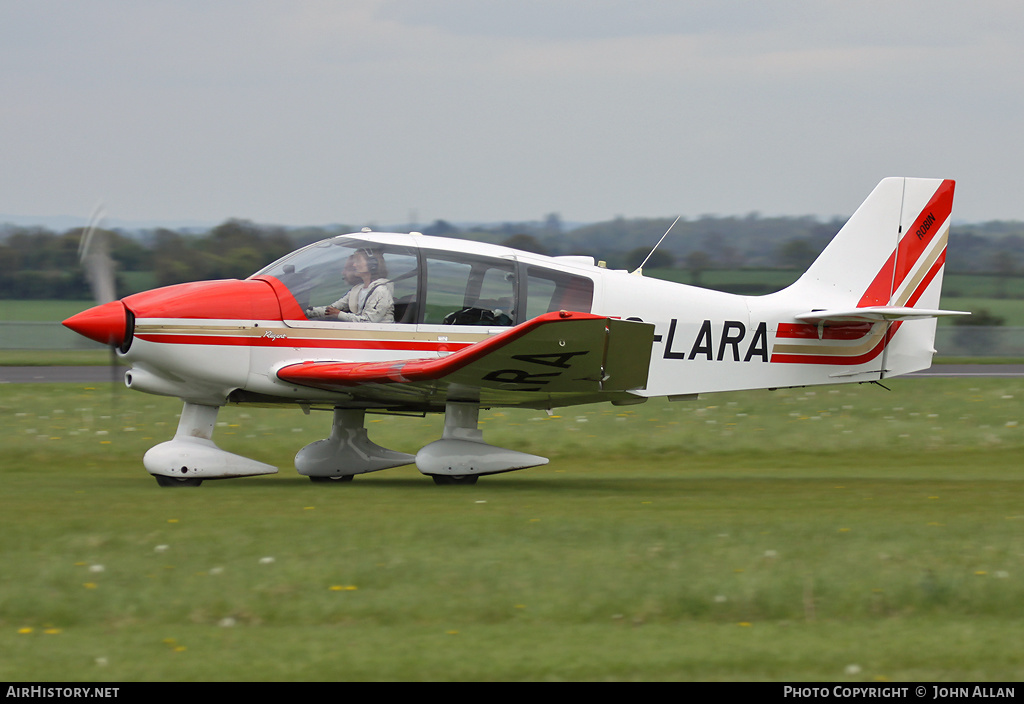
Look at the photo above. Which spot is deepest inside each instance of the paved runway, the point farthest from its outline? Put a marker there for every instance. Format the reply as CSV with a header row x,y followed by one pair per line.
x,y
100,375
980,370
66,375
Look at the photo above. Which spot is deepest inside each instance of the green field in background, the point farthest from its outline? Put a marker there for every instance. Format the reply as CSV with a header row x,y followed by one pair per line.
x,y
972,292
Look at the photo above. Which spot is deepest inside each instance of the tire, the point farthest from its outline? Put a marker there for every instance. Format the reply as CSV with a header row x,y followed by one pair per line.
x,y
175,482
327,480
449,479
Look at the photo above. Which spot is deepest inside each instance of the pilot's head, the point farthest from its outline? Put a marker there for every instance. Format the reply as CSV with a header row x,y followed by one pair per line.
x,y
362,267
356,271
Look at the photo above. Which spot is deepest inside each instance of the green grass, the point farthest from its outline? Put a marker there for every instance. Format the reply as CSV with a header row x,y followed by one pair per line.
x,y
746,281
47,310
767,280
984,286
50,358
1011,310
843,533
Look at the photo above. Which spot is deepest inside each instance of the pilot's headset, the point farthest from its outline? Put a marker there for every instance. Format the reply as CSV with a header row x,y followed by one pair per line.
x,y
373,262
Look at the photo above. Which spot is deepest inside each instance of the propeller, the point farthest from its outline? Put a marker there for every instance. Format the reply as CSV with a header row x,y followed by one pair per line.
x,y
94,255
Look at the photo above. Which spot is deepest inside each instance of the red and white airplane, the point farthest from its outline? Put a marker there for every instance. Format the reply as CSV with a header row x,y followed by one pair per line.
x,y
406,323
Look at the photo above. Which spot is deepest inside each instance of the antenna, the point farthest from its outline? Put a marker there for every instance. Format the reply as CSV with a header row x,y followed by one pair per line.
x,y
639,271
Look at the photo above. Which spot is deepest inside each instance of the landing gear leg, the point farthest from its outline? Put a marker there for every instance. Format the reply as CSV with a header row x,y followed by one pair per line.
x,y
347,452
461,455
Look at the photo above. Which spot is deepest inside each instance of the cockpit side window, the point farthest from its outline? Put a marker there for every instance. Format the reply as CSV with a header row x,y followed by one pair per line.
x,y
548,290
465,290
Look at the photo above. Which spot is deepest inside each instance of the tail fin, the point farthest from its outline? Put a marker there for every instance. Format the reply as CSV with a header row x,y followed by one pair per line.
x,y
876,259
883,267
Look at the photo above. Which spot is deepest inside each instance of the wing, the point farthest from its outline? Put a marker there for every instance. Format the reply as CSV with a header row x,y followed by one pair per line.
x,y
553,359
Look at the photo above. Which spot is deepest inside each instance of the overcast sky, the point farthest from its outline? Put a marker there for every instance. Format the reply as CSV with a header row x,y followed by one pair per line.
x,y
385,111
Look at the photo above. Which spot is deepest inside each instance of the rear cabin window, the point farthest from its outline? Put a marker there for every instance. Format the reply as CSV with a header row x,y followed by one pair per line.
x,y
462,290
548,291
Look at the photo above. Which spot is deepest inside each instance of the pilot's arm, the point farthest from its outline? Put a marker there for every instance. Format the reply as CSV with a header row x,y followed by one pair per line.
x,y
379,306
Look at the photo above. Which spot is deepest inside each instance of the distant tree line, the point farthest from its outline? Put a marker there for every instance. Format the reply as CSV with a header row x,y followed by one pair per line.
x,y
38,263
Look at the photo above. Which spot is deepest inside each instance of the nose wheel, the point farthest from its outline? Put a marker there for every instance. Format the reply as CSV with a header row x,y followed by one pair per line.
x,y
191,455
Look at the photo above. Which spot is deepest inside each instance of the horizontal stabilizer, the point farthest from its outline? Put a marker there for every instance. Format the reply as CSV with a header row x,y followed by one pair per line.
x,y
872,314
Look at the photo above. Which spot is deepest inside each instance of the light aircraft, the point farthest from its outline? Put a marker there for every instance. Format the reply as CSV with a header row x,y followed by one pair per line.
x,y
454,326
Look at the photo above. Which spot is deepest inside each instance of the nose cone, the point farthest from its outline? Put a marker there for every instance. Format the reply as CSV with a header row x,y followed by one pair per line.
x,y
107,324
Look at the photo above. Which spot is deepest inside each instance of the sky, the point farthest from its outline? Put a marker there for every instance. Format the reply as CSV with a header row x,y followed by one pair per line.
x,y
313,112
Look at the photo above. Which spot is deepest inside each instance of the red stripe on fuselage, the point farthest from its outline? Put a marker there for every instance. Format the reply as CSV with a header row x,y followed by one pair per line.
x,y
807,331
292,343
836,359
877,349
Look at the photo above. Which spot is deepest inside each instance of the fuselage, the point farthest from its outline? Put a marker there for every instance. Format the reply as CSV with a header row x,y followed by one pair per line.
x,y
220,341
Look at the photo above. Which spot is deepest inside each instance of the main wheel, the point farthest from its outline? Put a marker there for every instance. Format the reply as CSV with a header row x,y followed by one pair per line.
x,y
448,479
175,481
325,480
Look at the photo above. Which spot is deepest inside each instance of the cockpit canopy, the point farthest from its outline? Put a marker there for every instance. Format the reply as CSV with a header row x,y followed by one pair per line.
x,y
432,286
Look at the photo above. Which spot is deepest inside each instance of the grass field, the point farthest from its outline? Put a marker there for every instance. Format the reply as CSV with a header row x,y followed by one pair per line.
x,y
844,533
45,310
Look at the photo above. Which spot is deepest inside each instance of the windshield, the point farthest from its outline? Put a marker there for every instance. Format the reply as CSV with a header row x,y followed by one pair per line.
x,y
321,274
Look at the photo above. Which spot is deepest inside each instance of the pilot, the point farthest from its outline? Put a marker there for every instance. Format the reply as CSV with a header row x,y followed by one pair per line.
x,y
370,300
